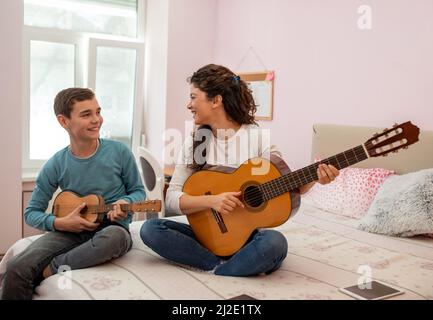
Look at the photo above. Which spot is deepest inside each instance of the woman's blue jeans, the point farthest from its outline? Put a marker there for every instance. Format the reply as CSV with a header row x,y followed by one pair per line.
x,y
263,253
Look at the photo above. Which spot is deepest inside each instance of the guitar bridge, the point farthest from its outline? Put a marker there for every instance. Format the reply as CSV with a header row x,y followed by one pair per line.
x,y
218,218
220,221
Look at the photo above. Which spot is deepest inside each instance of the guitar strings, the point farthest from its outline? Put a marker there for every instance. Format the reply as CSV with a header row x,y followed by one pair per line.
x,y
258,194
107,205
94,208
68,206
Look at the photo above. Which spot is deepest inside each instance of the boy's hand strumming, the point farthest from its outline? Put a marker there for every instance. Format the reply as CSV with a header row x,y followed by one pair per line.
x,y
73,222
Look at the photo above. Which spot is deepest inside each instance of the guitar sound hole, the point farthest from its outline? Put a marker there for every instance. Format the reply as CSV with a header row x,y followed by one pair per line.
x,y
253,196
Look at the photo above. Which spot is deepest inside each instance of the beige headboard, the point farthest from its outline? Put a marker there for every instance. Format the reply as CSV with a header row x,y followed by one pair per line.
x,y
329,139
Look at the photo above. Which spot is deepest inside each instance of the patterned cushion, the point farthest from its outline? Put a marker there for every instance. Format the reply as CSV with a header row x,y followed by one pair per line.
x,y
350,194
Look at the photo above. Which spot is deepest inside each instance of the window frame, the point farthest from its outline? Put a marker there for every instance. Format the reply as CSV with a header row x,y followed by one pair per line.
x,y
139,79
86,44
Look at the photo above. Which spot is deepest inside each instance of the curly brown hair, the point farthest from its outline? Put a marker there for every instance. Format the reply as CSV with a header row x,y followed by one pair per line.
x,y
237,100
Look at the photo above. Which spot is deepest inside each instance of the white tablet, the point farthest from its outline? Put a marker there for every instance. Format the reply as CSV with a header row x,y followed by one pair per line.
x,y
374,290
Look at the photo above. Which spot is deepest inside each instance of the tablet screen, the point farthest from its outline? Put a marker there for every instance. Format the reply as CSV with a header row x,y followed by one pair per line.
x,y
378,290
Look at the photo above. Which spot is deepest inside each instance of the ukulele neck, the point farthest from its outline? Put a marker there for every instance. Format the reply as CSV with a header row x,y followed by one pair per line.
x,y
108,207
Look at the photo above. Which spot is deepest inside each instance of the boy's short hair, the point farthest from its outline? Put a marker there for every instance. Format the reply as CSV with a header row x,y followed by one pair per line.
x,y
66,98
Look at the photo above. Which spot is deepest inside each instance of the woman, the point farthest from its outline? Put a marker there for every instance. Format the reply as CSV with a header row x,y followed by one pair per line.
x,y
223,108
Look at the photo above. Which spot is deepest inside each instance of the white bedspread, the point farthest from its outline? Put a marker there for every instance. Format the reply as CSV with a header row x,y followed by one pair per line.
x,y
325,252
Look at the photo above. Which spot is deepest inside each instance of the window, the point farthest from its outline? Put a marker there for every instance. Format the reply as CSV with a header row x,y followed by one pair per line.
x,y
84,43
115,17
51,70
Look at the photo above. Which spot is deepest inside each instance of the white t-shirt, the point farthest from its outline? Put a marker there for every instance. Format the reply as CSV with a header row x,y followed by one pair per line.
x,y
248,142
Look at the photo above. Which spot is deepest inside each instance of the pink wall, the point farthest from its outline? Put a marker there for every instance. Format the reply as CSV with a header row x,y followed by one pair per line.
x,y
328,70
155,74
191,38
180,38
10,128
190,46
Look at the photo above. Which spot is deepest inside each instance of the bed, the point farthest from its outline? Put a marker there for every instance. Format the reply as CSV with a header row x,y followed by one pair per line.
x,y
325,252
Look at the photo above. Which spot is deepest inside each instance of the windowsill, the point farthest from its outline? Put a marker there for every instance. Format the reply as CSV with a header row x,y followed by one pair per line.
x,y
29,175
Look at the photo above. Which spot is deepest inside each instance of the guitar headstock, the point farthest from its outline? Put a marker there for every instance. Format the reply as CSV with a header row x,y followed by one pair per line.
x,y
401,136
147,206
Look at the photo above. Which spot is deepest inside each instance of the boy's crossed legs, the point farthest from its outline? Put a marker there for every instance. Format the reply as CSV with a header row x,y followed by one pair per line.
x,y
54,249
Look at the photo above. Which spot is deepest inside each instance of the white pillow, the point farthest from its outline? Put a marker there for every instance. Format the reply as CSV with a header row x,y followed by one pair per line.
x,y
403,206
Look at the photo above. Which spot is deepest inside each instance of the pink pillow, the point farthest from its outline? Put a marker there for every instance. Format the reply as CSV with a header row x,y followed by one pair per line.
x,y
350,194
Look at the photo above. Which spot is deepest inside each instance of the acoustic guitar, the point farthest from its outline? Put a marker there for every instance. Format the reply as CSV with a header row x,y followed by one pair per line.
x,y
95,208
271,198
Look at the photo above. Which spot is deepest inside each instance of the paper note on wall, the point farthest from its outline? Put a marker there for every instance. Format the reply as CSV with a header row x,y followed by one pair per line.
x,y
262,93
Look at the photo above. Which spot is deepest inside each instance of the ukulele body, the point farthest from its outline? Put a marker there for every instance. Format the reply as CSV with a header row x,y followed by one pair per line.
x,y
67,201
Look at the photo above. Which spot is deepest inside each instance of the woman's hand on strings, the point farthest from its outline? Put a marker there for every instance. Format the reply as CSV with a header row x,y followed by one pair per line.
x,y
226,202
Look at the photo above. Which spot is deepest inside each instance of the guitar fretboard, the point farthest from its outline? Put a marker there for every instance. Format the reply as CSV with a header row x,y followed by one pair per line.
x,y
296,179
109,207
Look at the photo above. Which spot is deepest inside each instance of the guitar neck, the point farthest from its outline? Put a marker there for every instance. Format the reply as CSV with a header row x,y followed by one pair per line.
x,y
296,179
108,207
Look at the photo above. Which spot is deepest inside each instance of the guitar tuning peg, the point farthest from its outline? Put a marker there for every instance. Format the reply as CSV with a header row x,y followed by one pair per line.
x,y
395,125
385,155
386,129
405,148
375,135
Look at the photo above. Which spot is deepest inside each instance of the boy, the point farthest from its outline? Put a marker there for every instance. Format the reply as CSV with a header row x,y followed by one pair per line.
x,y
89,165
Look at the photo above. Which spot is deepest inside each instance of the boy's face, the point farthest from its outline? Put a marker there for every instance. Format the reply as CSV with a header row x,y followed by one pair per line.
x,y
84,122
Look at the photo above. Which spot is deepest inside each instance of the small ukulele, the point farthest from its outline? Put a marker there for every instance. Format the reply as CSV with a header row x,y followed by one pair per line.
x,y
95,208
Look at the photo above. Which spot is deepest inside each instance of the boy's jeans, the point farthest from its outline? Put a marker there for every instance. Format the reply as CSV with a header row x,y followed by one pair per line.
x,y
263,253
73,250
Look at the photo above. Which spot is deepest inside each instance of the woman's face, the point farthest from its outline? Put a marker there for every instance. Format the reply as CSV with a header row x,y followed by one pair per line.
x,y
200,106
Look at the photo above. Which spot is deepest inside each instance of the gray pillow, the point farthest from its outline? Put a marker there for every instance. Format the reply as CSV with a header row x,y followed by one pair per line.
x,y
403,206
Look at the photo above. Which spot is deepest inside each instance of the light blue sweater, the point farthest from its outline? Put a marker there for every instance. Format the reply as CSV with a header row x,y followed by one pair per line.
x,y
111,172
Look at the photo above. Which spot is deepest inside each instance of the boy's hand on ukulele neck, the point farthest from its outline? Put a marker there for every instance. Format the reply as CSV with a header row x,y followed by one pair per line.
x,y
73,222
117,214
226,202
